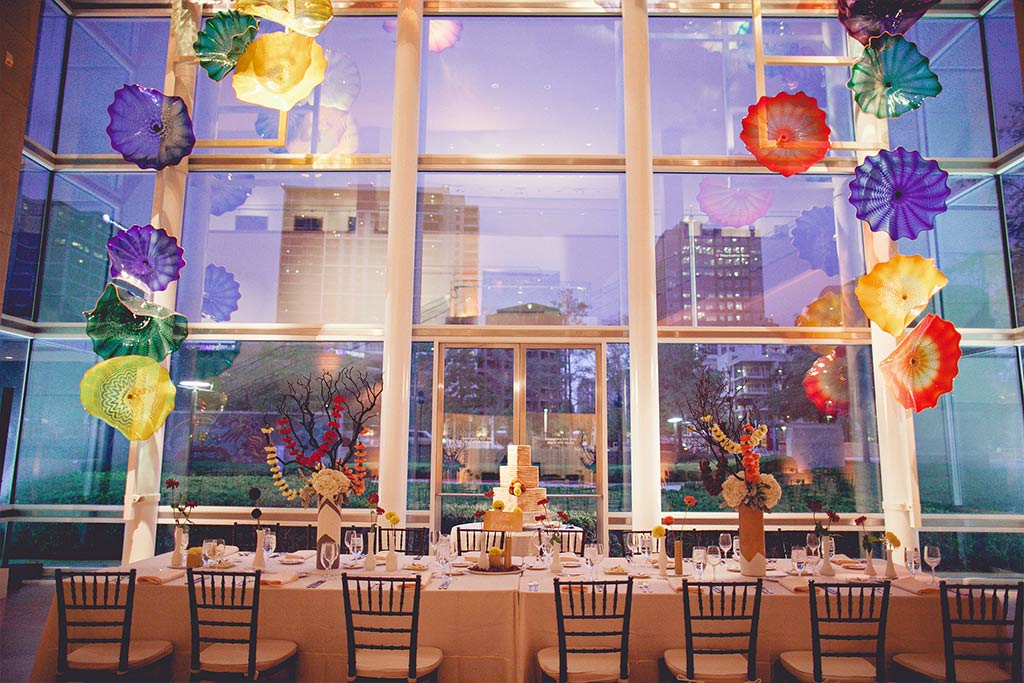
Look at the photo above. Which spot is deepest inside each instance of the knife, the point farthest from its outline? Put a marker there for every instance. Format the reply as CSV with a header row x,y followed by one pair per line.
x,y
319,582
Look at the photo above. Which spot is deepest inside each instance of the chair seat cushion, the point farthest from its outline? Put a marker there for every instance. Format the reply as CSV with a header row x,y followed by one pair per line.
x,y
711,668
105,656
833,669
599,667
234,657
395,663
967,671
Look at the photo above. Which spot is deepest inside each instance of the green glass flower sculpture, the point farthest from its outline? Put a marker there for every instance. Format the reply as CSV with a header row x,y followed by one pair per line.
x,y
222,41
125,325
892,78
132,394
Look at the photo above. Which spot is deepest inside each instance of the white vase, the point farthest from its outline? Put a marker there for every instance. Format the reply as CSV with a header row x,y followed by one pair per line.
x,y
869,568
484,561
328,528
890,568
826,563
180,541
370,562
259,558
392,561
663,559
556,560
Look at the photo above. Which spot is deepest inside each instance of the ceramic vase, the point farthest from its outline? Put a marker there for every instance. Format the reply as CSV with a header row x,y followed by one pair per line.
x,y
328,528
556,560
392,561
752,552
890,568
826,562
869,568
180,541
663,558
259,558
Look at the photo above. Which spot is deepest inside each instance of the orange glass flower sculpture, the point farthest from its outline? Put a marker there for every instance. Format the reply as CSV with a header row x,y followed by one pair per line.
x,y
826,384
896,291
923,365
825,311
279,70
307,17
786,133
133,394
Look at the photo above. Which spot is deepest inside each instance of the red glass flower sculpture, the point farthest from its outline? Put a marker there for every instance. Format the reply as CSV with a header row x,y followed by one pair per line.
x,y
826,384
732,206
786,133
923,365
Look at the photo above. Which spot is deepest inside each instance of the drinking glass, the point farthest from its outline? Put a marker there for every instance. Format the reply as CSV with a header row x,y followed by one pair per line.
x,y
209,551
725,543
269,541
590,557
913,560
633,543
700,558
799,558
218,550
444,555
714,557
357,544
184,542
813,543
328,554
349,535
812,558
932,557
646,544
735,548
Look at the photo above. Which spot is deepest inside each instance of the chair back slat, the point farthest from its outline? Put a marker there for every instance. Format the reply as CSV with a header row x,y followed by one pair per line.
x,y
224,608
721,618
468,540
571,539
412,540
386,608
978,624
84,597
589,611
851,616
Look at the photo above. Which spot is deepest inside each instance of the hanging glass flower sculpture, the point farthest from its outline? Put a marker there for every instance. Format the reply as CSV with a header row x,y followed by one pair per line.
x,y
441,33
308,17
228,191
786,133
279,70
896,291
213,358
133,394
826,384
824,311
865,19
223,40
220,294
148,128
125,325
892,78
336,132
899,192
342,82
814,236
923,365
145,256
732,206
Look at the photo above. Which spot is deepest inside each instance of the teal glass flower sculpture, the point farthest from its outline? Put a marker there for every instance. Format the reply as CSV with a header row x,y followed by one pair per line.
x,y
892,78
899,192
223,40
125,325
132,394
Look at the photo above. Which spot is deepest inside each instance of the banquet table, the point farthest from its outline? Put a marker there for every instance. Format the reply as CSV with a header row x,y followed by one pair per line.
x,y
490,627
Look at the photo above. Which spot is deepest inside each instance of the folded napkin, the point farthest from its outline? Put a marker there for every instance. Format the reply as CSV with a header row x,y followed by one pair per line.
x,y
278,579
568,556
677,585
840,558
795,584
300,555
912,585
230,550
160,576
617,570
425,578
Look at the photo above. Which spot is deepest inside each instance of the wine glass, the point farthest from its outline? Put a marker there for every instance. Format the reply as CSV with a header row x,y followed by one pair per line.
x,y
269,541
590,557
799,558
218,550
714,557
349,535
633,543
812,559
184,543
932,557
600,556
328,554
700,559
813,543
209,551
913,560
357,544
735,548
725,543
444,555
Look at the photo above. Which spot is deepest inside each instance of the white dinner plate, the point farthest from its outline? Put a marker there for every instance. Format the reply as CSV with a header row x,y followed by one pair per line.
x,y
285,560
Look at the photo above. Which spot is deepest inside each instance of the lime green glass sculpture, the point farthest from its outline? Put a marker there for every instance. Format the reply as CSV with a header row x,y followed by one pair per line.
x,y
125,325
133,394
223,40
892,78
307,17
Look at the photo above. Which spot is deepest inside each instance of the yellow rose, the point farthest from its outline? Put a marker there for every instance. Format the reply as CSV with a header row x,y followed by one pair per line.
x,y
499,505
658,531
495,552
892,539
517,489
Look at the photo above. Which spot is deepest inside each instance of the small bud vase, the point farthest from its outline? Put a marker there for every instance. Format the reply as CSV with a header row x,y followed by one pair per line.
x,y
391,563
890,568
869,568
663,558
259,558
556,560
370,561
180,541
826,562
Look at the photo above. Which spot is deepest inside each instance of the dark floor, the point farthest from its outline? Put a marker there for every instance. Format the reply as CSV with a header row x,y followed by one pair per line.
x,y
22,616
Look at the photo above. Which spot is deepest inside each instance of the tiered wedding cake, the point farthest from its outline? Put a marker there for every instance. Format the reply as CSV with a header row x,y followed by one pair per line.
x,y
519,467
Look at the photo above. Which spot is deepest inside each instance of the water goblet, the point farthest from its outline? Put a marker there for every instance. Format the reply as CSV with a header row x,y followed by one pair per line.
x,y
349,535
700,558
932,557
328,554
209,551
357,544
444,555
218,550
799,558
725,543
184,542
813,559
646,545
590,557
735,548
913,560
269,541
714,558
813,543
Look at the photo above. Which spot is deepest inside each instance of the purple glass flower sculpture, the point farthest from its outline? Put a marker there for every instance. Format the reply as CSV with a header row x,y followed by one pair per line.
x,y
865,19
814,237
149,128
145,256
220,294
899,192
228,191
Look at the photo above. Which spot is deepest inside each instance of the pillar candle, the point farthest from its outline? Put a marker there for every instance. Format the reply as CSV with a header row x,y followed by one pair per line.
x,y
508,553
678,556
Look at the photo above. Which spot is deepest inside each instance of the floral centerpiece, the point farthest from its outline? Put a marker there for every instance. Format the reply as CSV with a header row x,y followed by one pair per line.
x,y
823,527
668,521
181,507
548,521
889,541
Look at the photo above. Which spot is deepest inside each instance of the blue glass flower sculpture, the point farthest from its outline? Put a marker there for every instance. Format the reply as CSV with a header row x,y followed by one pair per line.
x,y
899,192
125,325
866,19
228,191
149,128
146,257
814,237
222,40
220,294
892,78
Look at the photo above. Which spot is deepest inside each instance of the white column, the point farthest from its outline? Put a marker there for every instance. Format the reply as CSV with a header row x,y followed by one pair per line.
x,y
398,293
645,492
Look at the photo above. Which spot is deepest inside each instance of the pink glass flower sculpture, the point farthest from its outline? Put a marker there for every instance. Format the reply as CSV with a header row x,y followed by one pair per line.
x,y
124,325
892,78
865,19
923,365
148,128
220,294
133,394
732,206
441,33
786,133
145,256
814,237
826,384
899,192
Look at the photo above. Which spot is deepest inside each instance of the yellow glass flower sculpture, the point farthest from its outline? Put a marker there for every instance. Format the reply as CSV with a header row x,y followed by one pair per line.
x,y
896,291
825,311
279,70
307,17
133,394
